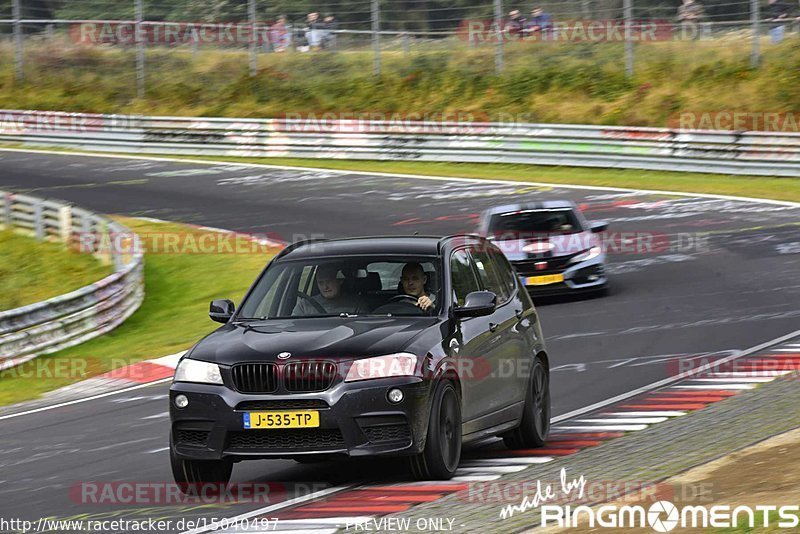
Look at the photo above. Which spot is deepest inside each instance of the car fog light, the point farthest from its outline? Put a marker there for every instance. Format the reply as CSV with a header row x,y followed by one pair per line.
x,y
395,396
181,401
593,277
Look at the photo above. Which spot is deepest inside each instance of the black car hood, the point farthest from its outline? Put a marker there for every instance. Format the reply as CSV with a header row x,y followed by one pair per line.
x,y
330,338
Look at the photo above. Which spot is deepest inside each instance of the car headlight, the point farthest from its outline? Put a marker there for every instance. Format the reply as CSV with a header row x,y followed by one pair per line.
x,y
402,364
196,371
590,254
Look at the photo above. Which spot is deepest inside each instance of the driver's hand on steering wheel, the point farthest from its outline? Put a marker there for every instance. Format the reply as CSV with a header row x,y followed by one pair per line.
x,y
424,302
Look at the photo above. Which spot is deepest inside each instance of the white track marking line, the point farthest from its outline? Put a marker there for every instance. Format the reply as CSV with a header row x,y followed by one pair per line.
x,y
756,374
411,176
736,380
670,380
476,478
716,386
646,414
598,428
156,416
87,399
281,505
486,470
619,420
521,460
794,349
156,451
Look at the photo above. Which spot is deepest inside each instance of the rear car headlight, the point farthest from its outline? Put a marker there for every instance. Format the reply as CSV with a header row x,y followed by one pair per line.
x,y
590,254
197,371
402,364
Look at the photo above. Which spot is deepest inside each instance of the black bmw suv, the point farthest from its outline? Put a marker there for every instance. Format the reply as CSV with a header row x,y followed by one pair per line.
x,y
360,347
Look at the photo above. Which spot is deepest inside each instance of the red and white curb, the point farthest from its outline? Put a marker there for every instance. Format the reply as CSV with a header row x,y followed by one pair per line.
x,y
364,504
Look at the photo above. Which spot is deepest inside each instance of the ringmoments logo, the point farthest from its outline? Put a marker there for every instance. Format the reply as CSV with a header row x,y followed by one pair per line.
x,y
660,516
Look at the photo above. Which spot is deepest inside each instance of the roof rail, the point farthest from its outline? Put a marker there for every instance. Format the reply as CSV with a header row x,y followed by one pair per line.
x,y
297,244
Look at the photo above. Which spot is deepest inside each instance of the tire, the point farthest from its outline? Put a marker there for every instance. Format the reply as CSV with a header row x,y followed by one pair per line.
x,y
442,454
535,426
188,473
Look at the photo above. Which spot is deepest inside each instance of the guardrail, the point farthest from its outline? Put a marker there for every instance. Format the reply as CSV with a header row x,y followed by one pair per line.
x,y
70,319
726,152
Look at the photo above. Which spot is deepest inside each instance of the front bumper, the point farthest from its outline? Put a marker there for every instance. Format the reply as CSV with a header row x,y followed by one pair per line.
x,y
356,419
584,276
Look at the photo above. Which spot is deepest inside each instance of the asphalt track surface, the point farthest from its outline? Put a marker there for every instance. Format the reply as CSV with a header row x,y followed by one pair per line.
x,y
722,278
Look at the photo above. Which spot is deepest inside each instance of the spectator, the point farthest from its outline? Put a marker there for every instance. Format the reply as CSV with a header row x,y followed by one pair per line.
x,y
539,25
778,11
691,14
515,24
313,31
329,36
691,11
279,35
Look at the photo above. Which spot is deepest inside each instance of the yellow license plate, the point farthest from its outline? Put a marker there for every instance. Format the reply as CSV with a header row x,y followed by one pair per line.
x,y
304,419
544,279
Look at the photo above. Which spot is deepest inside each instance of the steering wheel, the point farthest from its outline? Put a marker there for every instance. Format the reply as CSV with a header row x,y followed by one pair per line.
x,y
317,306
405,299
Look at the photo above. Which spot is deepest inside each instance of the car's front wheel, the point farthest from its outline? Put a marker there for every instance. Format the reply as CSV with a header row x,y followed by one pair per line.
x,y
439,460
535,426
189,473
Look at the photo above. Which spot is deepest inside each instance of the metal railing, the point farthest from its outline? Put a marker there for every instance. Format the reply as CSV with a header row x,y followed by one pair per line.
x,y
710,151
66,320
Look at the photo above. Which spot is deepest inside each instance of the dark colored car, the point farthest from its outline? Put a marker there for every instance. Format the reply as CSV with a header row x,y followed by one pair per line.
x,y
330,355
550,244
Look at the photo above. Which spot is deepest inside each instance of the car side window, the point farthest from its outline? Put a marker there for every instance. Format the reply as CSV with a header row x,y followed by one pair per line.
x,y
463,276
490,275
505,270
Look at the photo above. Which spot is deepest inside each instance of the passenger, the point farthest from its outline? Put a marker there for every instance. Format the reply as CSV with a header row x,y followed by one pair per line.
x,y
331,298
412,281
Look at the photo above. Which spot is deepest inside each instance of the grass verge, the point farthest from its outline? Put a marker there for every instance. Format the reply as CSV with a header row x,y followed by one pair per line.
x,y
174,315
31,270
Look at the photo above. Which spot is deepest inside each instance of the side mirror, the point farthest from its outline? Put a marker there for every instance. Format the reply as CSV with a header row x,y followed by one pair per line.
x,y
221,310
477,304
598,226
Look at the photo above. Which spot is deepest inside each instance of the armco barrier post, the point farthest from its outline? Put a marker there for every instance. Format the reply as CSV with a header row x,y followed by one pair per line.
x,y
65,224
38,220
7,200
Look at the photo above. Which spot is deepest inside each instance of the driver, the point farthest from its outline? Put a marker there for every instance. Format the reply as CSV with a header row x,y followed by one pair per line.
x,y
331,298
412,282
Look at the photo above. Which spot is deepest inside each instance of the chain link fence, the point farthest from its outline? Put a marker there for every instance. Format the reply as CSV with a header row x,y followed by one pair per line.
x,y
137,42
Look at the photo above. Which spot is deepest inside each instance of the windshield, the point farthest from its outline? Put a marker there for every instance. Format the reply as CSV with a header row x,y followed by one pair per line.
x,y
519,224
367,285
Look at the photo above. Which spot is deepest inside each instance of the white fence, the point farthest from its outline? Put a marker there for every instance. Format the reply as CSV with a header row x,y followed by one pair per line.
x,y
726,152
85,313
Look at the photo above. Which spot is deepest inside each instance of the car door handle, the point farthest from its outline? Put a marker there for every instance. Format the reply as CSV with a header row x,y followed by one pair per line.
x,y
493,327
